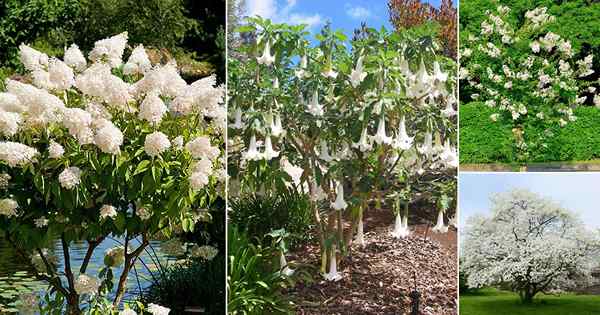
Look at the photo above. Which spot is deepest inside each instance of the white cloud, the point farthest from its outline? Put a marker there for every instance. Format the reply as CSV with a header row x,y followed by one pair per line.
x,y
281,12
357,12
264,8
310,20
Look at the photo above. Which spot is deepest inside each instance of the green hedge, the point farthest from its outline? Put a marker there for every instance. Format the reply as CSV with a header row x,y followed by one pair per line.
x,y
482,141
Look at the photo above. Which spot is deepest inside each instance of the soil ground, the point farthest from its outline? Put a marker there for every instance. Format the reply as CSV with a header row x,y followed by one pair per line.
x,y
378,278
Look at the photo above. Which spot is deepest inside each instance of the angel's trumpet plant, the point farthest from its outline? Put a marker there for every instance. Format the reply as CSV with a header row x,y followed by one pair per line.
x,y
276,83
340,203
401,229
253,154
357,75
360,236
333,274
363,144
301,73
269,152
324,154
314,108
438,75
449,110
276,127
427,147
283,265
440,227
380,137
402,140
238,123
266,59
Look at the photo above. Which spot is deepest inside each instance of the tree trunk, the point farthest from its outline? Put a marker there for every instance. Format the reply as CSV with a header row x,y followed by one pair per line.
x,y
73,305
526,295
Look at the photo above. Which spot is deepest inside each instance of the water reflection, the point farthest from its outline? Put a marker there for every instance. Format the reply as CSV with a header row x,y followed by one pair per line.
x,y
14,280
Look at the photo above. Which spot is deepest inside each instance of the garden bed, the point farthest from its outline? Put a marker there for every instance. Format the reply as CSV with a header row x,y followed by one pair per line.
x,y
378,278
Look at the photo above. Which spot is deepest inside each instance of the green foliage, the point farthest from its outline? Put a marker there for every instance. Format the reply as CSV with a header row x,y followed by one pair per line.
x,y
577,20
195,283
483,141
259,216
253,283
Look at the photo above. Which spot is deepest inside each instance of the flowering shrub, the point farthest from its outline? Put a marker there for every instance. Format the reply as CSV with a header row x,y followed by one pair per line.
x,y
96,147
526,72
340,126
530,243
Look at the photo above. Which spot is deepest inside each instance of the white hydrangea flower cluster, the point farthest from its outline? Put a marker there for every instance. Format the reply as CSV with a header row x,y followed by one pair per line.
x,y
85,284
8,207
156,309
108,211
17,154
541,83
70,177
205,252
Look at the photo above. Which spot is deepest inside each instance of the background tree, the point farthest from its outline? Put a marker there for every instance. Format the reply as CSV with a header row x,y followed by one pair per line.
x,y
530,243
407,13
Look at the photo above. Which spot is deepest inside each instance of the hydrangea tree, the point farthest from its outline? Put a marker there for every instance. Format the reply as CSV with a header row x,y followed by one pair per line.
x,y
529,242
344,122
98,147
526,72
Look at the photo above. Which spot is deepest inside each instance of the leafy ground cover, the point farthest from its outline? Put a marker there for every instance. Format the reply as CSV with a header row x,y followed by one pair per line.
x,y
482,141
497,302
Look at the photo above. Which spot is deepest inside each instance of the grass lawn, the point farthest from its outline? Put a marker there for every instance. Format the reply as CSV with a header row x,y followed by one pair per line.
x,y
496,302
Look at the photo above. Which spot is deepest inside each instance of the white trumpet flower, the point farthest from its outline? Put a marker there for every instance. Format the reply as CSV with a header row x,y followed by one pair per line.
x,y
333,274
324,154
449,110
314,108
440,227
329,73
283,265
380,137
360,236
302,73
357,75
269,152
340,203
276,128
252,154
401,229
266,59
421,83
438,75
276,83
449,155
427,147
238,124
363,144
402,141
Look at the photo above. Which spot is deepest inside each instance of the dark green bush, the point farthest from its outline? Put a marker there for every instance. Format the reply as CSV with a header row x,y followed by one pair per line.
x,y
194,284
258,216
254,283
482,141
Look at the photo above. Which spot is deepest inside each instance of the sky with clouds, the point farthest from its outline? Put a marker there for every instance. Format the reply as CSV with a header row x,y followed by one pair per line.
x,y
577,191
345,15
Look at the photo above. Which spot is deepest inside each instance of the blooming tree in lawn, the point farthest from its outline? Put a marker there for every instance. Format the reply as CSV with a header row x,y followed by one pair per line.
x,y
340,125
96,147
528,73
529,242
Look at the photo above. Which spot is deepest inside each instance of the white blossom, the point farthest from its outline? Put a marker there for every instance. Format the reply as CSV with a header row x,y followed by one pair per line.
x,y
74,58
266,59
201,147
85,284
156,143
17,154
138,62
110,50
107,211
8,207
55,150
70,177
152,108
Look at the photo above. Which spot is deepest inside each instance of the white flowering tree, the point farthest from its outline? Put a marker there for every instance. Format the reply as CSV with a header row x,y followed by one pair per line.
x,y
343,125
530,243
527,73
98,147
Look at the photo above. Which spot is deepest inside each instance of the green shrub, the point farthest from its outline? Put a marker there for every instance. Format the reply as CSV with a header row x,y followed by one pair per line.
x,y
259,216
254,283
195,283
482,141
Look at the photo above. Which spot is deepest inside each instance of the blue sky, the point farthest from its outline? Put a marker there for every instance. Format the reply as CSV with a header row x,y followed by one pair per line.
x,y
579,192
346,15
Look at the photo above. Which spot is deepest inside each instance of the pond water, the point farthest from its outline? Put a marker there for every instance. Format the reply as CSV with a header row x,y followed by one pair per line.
x,y
15,280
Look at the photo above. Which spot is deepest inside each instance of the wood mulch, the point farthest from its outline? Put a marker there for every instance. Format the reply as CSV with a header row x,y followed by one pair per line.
x,y
378,278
